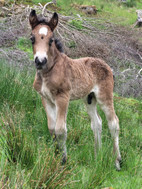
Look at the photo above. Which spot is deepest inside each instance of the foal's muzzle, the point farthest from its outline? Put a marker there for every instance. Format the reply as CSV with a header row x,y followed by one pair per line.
x,y
39,64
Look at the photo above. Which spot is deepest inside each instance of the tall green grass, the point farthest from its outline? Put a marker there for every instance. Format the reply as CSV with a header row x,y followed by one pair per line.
x,y
27,158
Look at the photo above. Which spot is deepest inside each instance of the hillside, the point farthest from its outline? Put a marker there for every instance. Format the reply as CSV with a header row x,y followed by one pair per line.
x,y
27,158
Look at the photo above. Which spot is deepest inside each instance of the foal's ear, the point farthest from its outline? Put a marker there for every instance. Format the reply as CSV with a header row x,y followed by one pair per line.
x,y
54,21
33,19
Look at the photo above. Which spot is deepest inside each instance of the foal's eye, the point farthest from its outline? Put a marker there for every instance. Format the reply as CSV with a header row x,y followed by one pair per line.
x,y
50,41
32,39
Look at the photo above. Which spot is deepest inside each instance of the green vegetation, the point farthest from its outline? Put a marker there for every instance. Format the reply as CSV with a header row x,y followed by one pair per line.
x,y
24,44
27,157
77,24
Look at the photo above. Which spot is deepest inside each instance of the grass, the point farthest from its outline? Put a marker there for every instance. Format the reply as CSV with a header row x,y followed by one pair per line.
x,y
27,157
24,44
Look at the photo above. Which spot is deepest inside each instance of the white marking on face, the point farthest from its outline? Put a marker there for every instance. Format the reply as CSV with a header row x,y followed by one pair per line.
x,y
41,56
43,31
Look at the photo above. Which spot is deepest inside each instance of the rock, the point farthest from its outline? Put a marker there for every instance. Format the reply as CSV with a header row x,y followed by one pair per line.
x,y
87,9
139,18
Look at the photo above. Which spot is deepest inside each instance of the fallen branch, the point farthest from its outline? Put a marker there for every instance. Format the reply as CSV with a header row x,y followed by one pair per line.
x,y
6,9
139,73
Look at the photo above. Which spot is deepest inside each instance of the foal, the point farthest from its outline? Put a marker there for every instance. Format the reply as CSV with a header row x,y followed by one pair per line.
x,y
60,79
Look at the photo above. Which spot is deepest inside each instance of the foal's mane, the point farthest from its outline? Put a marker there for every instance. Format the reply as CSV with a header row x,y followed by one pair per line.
x,y
42,20
59,45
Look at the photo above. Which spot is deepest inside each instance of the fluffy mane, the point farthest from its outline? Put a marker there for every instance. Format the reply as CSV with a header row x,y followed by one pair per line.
x,y
42,20
59,45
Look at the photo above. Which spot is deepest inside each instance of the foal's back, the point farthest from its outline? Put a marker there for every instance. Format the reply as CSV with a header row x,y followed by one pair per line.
x,y
87,73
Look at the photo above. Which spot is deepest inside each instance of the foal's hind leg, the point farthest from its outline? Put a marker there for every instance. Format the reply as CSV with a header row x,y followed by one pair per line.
x,y
106,103
96,122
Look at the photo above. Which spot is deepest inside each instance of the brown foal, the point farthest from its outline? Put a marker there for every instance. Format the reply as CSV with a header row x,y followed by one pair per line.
x,y
60,79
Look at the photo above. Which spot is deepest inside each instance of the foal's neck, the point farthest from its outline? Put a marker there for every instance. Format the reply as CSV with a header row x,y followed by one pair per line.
x,y
54,56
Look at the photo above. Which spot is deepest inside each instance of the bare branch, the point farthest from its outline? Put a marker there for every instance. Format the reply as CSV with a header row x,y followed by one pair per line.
x,y
43,10
40,5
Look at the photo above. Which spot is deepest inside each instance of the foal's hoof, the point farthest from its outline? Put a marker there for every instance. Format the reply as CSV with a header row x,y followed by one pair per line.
x,y
118,164
64,160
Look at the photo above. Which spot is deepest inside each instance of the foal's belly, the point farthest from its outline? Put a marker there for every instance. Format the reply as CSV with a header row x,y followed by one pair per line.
x,y
80,90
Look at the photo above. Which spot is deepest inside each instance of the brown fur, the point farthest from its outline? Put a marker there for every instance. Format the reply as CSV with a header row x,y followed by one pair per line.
x,y
63,79
77,77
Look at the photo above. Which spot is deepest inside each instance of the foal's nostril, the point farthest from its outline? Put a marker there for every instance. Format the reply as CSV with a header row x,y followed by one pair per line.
x,y
37,60
44,61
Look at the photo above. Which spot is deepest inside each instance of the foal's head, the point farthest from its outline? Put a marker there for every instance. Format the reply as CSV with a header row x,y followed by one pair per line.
x,y
42,38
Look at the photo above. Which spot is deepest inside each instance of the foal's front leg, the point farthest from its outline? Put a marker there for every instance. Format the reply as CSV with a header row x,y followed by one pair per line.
x,y
62,101
50,109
